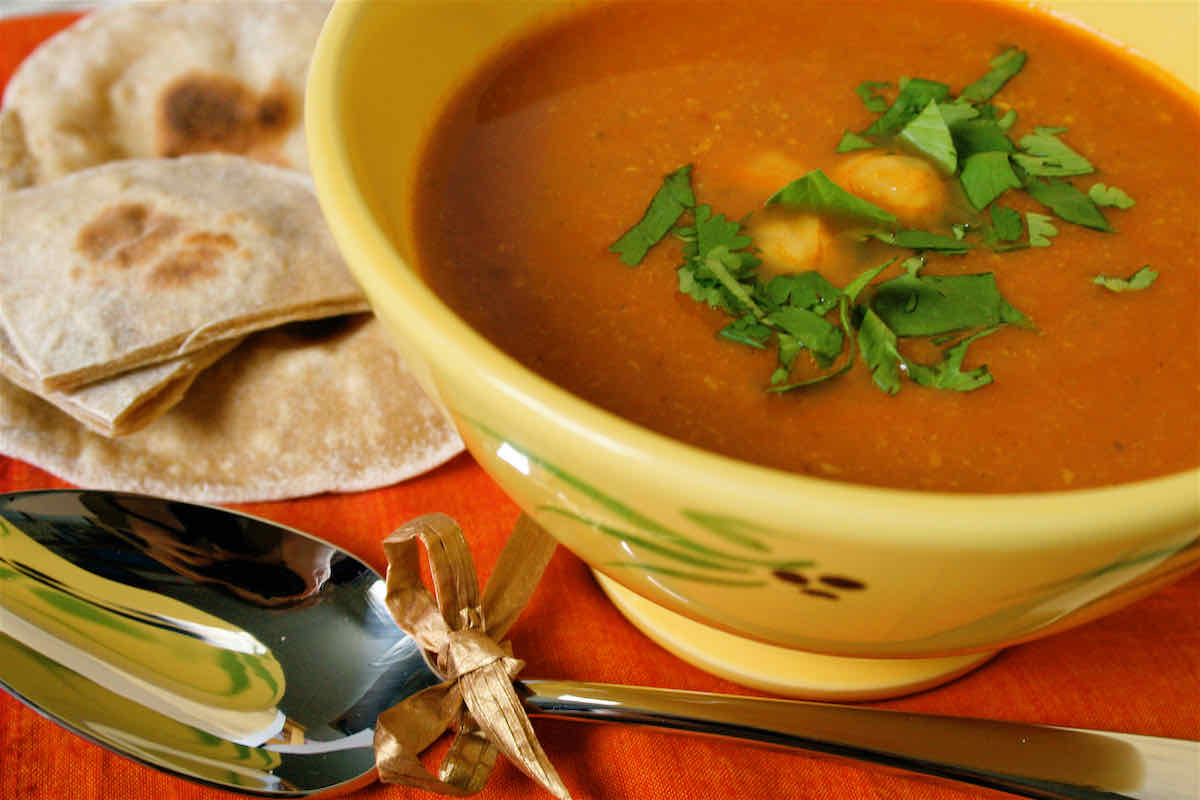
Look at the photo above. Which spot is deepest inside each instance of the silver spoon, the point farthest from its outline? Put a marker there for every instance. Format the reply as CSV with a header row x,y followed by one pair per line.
x,y
238,653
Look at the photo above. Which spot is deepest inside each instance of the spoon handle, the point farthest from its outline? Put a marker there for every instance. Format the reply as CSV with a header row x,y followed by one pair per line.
x,y
1036,761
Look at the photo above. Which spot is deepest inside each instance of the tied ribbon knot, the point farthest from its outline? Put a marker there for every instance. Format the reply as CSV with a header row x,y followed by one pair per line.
x,y
466,636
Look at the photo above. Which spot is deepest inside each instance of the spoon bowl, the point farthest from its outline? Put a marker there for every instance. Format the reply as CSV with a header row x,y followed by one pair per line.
x,y
204,642
242,654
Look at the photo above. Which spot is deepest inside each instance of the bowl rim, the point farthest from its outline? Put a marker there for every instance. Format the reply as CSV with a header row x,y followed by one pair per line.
x,y
1042,519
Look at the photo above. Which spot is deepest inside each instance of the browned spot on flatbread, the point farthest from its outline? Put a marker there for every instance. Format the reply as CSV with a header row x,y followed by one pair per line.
x,y
185,268
113,226
125,235
210,239
207,112
277,109
141,250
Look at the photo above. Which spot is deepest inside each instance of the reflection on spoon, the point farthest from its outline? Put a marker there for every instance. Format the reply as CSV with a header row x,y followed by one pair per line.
x,y
197,640
239,653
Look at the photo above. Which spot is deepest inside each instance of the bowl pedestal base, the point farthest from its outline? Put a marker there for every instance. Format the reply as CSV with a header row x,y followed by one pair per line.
x,y
781,670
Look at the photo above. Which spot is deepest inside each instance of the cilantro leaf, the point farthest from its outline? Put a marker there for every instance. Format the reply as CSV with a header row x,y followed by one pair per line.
x,y
1004,121
816,193
929,135
804,290
813,331
1069,203
1003,68
986,176
1048,156
714,230
789,350
789,347
957,113
715,262
723,265
1142,279
912,266
670,201
915,94
747,330
1006,223
1109,196
855,287
923,240
852,141
980,136
871,99
1041,228
880,351
702,291
947,374
933,305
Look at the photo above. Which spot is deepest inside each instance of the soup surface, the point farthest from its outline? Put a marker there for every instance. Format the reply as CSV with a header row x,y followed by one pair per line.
x,y
554,148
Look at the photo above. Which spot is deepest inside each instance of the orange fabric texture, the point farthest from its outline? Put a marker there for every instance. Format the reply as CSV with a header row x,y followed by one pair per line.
x,y
1137,670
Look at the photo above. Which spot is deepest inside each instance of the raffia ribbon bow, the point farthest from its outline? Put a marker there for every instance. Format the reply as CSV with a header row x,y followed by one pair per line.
x,y
477,697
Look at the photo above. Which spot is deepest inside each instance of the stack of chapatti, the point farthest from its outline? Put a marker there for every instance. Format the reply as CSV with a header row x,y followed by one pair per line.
x,y
172,307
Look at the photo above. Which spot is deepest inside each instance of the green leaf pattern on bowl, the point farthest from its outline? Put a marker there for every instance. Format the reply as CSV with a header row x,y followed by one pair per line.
x,y
744,559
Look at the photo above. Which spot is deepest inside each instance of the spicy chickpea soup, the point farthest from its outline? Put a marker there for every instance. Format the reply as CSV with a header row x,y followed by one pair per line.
x,y
1069,366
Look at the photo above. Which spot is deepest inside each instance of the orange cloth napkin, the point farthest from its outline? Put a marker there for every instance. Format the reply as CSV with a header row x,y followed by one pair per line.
x,y
1137,670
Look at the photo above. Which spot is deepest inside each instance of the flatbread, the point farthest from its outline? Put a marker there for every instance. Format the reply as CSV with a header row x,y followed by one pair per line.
x,y
284,415
16,163
125,403
134,262
154,79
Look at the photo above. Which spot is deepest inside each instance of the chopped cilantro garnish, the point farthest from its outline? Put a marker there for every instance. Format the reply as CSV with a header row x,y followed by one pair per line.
x,y
1069,203
1006,223
1045,155
932,305
672,199
856,286
986,176
922,240
958,113
871,99
928,134
714,230
723,265
881,351
915,94
810,329
1041,228
817,194
948,374
1142,279
980,136
804,289
747,330
1109,196
1003,67
964,136
716,261
708,292
852,141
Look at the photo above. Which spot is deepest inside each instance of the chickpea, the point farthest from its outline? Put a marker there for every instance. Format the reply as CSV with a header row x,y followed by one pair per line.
x,y
791,242
769,171
907,186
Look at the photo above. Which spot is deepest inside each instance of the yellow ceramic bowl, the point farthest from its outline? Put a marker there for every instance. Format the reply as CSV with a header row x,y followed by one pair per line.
x,y
689,542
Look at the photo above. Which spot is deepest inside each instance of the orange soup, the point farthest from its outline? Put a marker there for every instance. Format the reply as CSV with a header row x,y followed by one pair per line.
x,y
1015,341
